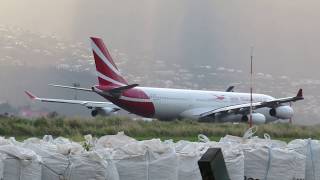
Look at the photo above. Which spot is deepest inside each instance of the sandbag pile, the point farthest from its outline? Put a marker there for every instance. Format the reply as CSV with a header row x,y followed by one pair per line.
x,y
64,159
266,159
120,157
145,160
273,163
19,163
311,149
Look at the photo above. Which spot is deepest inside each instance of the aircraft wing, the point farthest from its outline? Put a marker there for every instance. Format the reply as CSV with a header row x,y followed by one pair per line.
x,y
245,108
88,104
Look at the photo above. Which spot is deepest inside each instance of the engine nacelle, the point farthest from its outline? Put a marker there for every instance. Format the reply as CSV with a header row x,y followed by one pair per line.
x,y
282,112
106,111
257,118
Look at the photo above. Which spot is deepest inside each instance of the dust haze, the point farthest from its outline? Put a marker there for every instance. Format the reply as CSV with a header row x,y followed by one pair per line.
x,y
285,34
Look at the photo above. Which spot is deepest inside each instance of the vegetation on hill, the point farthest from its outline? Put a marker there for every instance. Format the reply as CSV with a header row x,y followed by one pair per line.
x,y
75,128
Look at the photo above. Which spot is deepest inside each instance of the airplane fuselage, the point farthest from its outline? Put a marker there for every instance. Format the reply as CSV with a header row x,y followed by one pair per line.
x,y
169,104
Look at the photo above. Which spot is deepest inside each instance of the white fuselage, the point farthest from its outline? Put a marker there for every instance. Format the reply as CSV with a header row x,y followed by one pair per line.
x,y
175,103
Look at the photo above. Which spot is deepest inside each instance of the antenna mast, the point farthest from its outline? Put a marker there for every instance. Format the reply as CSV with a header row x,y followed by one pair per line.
x,y
251,82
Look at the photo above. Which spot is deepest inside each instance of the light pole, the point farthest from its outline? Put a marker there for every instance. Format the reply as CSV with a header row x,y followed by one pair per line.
x,y
251,86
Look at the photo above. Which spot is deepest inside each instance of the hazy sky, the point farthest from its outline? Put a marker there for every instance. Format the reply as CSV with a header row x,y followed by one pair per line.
x,y
285,33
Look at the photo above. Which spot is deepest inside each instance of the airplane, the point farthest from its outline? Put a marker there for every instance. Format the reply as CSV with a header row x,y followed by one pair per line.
x,y
169,104
98,108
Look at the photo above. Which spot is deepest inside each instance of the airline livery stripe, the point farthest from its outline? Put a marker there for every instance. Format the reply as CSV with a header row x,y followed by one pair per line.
x,y
134,99
103,58
109,79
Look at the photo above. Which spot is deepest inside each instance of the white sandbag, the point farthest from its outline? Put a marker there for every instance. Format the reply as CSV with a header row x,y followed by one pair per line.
x,y
234,160
229,139
112,172
20,163
32,140
188,154
145,162
61,140
2,157
163,166
266,141
54,165
13,141
192,148
91,165
188,168
72,148
4,141
66,147
311,149
233,140
273,164
252,142
114,141
48,138
19,152
132,167
249,141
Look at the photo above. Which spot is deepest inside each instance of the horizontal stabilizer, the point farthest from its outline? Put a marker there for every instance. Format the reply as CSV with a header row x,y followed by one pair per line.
x,y
230,89
116,92
70,87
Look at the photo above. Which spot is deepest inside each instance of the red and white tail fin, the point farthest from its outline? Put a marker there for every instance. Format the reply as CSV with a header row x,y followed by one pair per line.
x,y
107,72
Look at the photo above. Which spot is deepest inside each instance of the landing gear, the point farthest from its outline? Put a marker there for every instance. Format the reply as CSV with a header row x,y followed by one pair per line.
x,y
94,113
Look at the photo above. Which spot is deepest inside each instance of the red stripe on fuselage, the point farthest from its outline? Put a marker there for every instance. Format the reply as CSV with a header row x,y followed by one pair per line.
x,y
145,109
135,93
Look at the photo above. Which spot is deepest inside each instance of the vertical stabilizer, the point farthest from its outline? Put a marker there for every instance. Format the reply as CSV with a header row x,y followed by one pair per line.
x,y
107,72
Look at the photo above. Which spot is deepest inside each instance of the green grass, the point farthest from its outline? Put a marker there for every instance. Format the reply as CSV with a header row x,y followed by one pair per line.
x,y
76,128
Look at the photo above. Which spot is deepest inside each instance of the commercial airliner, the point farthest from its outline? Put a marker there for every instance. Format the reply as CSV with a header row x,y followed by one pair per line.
x,y
169,104
97,108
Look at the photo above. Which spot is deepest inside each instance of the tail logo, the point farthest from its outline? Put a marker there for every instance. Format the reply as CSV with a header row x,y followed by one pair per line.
x,y
107,72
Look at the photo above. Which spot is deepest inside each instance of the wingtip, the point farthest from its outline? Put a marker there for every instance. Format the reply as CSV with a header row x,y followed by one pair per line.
x,y
300,93
31,96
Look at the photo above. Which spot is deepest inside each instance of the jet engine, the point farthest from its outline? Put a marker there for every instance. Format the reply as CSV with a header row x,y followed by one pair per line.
x,y
282,112
257,118
106,111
